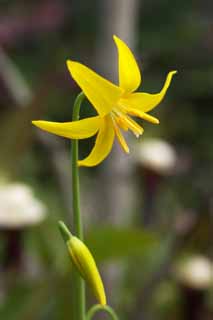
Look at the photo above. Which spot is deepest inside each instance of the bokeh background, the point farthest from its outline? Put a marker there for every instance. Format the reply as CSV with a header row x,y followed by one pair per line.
x,y
148,215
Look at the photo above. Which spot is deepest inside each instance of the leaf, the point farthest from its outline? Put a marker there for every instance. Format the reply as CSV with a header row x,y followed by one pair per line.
x,y
111,243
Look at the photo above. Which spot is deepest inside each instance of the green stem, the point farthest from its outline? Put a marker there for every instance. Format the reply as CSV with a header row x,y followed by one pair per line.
x,y
75,174
79,286
99,307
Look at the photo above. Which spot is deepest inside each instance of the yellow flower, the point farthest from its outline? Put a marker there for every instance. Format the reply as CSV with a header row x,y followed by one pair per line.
x,y
113,103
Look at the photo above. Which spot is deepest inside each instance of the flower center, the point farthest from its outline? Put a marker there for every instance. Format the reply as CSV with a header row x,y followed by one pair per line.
x,y
121,120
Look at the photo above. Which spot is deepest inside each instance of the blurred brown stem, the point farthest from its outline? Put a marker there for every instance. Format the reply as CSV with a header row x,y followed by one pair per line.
x,y
13,252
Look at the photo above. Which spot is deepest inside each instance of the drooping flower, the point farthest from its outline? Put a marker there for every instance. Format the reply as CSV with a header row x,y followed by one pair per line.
x,y
115,104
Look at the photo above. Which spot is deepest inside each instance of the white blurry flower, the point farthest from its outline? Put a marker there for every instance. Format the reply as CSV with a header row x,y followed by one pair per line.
x,y
18,206
195,272
156,155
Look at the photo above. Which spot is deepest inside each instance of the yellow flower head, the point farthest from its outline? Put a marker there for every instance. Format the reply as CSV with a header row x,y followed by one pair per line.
x,y
84,263
115,104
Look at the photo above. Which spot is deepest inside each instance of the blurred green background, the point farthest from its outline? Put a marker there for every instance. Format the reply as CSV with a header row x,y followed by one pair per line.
x,y
150,230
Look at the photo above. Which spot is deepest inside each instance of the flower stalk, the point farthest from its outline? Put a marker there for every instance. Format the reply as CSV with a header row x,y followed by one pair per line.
x,y
75,172
79,286
96,308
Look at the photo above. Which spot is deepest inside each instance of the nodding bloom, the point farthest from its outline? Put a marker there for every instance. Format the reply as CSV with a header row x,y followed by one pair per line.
x,y
84,263
115,105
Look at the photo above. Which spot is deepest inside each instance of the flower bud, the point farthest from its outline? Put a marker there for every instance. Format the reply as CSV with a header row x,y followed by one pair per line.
x,y
85,263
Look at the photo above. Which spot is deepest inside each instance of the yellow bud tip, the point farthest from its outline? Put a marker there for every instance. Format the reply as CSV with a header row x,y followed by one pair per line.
x,y
66,234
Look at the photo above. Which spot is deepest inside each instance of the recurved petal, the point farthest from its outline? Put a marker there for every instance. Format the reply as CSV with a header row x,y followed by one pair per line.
x,y
103,144
145,101
81,129
129,73
102,94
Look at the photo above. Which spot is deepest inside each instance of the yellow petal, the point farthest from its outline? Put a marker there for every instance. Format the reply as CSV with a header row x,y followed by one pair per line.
x,y
81,129
129,73
145,101
102,94
103,144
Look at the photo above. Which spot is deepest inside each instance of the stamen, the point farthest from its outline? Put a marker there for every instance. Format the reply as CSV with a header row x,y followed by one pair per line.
x,y
136,129
121,123
125,122
121,139
118,118
143,115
